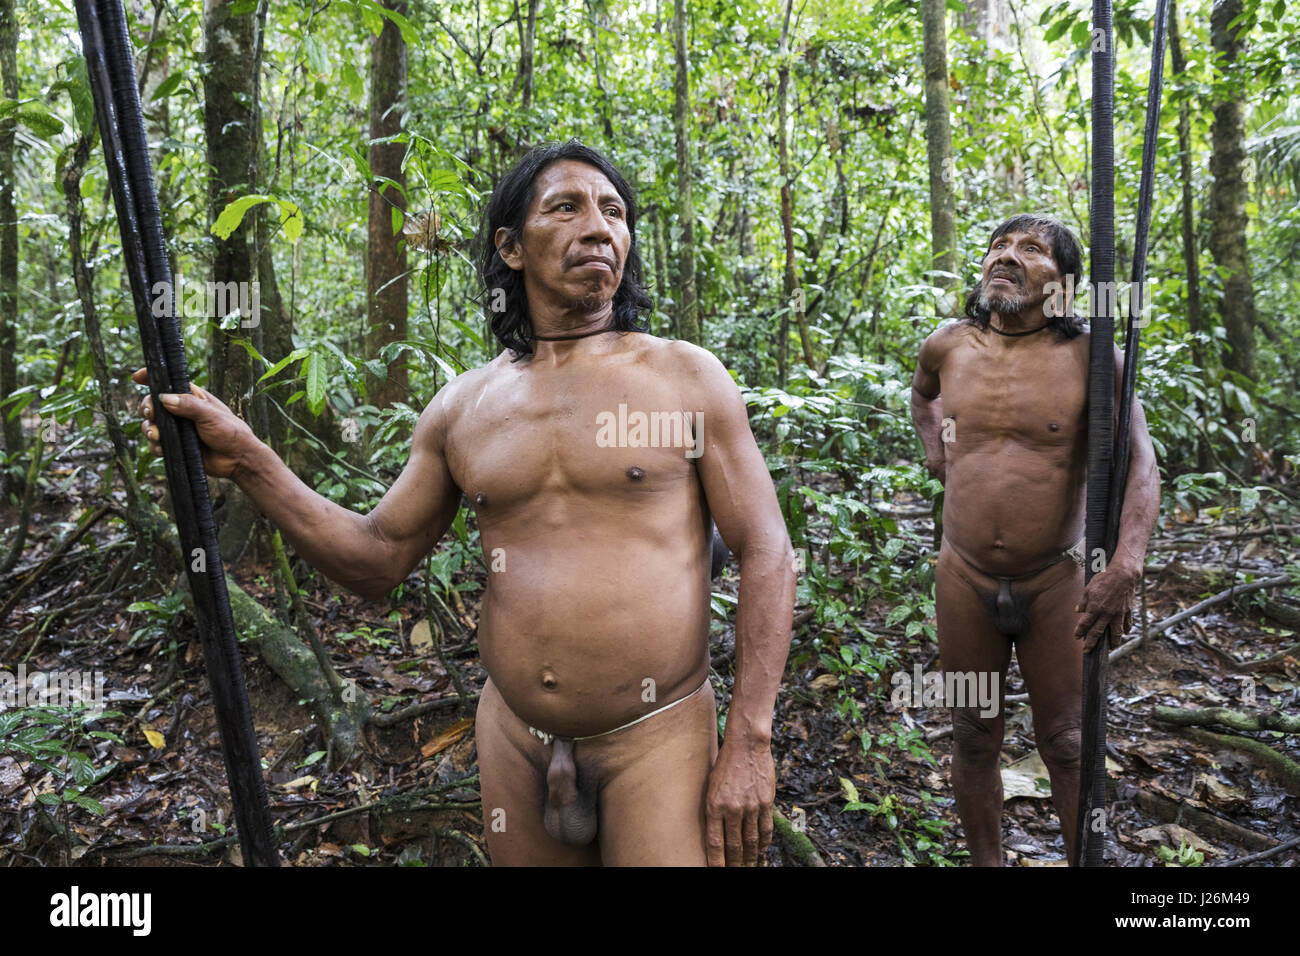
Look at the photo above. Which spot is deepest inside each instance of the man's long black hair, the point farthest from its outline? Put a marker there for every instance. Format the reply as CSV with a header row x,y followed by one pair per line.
x,y
508,208
1068,256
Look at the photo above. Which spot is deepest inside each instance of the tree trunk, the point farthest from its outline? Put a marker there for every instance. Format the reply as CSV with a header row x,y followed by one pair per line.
x,y
386,303
229,123
1191,255
13,426
687,313
794,299
1228,194
938,143
527,45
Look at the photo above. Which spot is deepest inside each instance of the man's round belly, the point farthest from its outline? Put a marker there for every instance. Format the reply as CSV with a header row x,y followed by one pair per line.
x,y
1011,512
580,640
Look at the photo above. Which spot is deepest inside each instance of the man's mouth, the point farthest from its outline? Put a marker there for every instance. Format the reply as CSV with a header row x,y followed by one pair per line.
x,y
1004,277
594,262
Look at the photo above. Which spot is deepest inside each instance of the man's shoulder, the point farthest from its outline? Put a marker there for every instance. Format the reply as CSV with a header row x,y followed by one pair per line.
x,y
452,396
943,340
682,362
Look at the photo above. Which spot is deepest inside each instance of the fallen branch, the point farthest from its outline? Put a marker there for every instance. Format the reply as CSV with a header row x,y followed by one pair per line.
x,y
1263,855
1129,646
1226,717
796,841
1284,768
1168,810
453,834
418,710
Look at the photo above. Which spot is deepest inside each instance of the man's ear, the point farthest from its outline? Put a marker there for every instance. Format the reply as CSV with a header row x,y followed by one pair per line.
x,y
508,249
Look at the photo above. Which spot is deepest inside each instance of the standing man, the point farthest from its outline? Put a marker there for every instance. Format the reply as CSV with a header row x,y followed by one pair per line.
x,y
1000,401
594,456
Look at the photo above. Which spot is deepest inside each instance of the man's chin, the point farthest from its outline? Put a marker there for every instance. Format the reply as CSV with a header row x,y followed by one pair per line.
x,y
587,304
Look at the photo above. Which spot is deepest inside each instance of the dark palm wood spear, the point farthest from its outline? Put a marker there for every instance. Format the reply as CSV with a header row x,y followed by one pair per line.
x,y
1108,434
113,83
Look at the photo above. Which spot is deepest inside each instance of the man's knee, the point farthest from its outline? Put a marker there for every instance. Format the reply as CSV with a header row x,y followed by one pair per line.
x,y
1060,747
975,738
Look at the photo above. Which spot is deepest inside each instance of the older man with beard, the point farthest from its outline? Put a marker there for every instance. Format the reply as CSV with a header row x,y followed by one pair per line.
x,y
1001,405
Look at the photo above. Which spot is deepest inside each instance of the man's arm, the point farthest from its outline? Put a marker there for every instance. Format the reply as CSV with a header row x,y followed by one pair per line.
x,y
742,785
1108,599
369,554
927,407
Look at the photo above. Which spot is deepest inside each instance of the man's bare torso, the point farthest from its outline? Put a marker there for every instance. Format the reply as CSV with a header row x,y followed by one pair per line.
x,y
1016,464
598,556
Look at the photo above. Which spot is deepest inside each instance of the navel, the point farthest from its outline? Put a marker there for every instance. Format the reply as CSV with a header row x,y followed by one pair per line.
x,y
549,680
1052,426
480,500
635,473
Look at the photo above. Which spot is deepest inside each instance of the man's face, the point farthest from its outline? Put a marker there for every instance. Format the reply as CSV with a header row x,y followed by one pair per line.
x,y
1018,268
574,242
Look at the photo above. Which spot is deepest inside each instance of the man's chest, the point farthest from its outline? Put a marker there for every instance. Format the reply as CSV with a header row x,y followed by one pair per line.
x,y
1036,397
581,433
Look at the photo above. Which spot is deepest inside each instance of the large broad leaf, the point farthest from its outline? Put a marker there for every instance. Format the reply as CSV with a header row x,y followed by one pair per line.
x,y
39,120
287,360
230,218
317,376
168,86
83,103
316,56
291,218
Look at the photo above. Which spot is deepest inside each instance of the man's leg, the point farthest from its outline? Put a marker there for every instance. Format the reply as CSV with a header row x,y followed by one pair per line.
x,y
968,642
1051,661
654,777
512,779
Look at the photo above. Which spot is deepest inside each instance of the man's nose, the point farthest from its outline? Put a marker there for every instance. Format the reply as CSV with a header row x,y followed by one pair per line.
x,y
595,227
1006,255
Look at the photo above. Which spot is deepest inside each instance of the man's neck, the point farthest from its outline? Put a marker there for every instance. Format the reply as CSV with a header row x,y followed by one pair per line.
x,y
1016,324
572,324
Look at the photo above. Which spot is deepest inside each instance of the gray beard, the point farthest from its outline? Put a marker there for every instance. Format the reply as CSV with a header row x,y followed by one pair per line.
x,y
999,303
587,304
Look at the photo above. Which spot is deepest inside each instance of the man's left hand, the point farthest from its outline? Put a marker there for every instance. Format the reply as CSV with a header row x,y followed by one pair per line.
x,y
1107,602
738,807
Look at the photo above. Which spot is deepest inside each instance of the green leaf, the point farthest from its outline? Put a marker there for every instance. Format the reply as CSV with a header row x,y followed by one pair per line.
x,y
289,359
39,120
397,220
168,86
313,757
1056,30
361,848
317,377
83,102
900,613
1249,499
316,57
233,214
291,219
49,799
86,803
352,79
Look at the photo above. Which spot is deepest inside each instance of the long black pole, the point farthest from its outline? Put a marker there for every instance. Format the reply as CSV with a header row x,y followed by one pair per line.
x,y
1101,428
1090,828
107,49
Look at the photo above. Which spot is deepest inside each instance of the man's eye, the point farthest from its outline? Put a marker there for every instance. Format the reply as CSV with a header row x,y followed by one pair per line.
x,y
563,204
618,213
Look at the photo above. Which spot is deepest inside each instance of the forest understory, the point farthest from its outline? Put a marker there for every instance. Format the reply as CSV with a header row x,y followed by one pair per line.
x,y
1189,793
